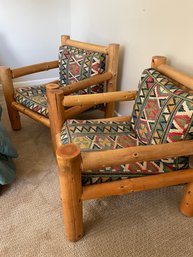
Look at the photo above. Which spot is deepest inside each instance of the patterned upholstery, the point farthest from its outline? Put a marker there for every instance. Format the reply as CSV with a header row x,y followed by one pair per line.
x,y
33,98
162,113
74,65
92,135
78,64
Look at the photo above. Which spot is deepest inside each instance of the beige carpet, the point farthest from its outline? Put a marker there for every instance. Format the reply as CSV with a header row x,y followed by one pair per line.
x,y
146,224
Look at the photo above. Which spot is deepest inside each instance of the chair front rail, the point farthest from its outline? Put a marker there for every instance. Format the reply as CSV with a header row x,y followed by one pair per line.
x,y
101,159
99,98
131,185
118,118
45,66
80,85
31,114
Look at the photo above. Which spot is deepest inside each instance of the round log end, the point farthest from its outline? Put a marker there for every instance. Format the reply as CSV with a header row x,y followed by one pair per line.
x,y
68,151
52,86
158,60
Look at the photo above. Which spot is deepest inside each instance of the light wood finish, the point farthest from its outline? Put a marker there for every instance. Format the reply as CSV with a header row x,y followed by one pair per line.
x,y
7,75
69,159
99,159
176,75
74,87
99,98
112,83
75,110
183,80
64,38
186,206
157,61
55,109
122,187
45,66
34,115
8,90
118,118
87,46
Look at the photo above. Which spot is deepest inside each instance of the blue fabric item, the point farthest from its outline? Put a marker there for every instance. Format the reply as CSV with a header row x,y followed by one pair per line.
x,y
7,170
6,147
7,152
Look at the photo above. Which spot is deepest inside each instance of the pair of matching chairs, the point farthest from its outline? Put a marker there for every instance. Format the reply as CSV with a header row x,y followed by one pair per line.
x,y
114,155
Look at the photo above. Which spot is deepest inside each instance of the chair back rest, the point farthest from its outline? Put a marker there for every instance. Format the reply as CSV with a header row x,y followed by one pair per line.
x,y
77,64
162,112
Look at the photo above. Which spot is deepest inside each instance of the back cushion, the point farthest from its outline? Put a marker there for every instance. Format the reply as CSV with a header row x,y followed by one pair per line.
x,y
162,112
77,64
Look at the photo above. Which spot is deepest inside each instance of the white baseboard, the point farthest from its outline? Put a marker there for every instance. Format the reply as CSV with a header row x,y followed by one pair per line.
x,y
31,83
117,113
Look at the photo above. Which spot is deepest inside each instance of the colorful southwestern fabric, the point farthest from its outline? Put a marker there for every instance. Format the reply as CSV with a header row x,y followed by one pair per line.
x,y
92,135
33,98
162,112
77,64
74,65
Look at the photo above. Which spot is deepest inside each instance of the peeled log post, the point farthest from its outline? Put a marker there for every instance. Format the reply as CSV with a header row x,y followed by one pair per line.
x,y
112,83
8,90
55,109
69,159
186,206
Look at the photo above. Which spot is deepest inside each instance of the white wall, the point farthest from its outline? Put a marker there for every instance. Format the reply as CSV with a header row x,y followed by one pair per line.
x,y
143,28
30,31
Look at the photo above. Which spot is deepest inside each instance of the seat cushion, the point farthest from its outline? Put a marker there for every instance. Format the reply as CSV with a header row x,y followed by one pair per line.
x,y
33,98
92,135
77,64
162,112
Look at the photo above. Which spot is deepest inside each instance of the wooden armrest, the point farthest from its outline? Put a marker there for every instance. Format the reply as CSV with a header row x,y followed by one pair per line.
x,y
101,159
80,85
99,98
19,72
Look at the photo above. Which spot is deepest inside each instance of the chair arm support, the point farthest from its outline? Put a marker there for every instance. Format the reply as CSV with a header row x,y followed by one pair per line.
x,y
26,70
101,159
99,98
80,85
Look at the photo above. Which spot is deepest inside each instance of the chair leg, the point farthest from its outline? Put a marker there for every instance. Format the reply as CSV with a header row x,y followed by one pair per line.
x,y
14,118
69,161
186,205
8,90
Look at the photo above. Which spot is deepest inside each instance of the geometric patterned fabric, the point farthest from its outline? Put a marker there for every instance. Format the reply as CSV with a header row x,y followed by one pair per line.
x,y
162,112
93,135
34,98
77,64
74,65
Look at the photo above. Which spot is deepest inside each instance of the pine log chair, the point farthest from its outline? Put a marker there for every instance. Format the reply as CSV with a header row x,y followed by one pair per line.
x,y
84,68
120,155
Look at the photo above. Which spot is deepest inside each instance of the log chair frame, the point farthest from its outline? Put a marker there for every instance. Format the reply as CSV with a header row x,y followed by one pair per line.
x,y
71,162
110,76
